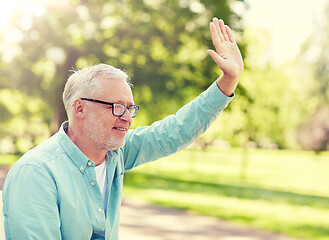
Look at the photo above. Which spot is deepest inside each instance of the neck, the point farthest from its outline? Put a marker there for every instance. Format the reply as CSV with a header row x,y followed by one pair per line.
x,y
86,147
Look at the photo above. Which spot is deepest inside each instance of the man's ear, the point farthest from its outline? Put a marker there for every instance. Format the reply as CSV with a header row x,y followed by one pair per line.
x,y
79,108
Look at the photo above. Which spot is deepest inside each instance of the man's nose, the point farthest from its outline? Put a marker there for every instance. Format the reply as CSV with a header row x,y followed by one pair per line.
x,y
127,116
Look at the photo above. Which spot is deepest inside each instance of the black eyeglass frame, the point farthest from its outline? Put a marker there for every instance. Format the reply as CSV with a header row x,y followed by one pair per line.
x,y
136,107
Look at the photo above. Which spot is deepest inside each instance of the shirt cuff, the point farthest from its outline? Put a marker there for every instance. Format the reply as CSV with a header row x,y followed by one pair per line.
x,y
217,98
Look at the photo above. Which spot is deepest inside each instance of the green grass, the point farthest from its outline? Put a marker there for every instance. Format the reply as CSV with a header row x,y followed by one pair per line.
x,y
281,191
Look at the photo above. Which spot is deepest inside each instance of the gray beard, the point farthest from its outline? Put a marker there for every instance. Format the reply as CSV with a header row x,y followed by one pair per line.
x,y
101,137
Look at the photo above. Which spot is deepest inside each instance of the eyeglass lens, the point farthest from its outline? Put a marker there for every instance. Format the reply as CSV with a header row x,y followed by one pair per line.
x,y
119,109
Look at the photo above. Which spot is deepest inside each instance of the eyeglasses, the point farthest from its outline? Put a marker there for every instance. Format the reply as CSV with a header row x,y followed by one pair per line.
x,y
118,109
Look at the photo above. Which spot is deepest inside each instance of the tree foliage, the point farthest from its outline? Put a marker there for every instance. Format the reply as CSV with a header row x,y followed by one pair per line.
x,y
161,44
266,114
313,134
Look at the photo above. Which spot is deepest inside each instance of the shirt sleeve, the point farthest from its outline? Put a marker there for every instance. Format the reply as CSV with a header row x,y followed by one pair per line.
x,y
174,132
30,205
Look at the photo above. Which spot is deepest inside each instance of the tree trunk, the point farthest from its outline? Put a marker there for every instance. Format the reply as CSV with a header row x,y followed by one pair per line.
x,y
60,114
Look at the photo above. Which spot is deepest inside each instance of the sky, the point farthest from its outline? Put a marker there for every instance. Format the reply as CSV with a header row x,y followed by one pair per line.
x,y
289,22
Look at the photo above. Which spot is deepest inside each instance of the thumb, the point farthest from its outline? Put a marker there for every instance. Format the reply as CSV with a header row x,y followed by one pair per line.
x,y
218,60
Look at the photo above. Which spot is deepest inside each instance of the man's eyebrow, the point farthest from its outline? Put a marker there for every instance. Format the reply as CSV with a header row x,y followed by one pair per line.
x,y
124,103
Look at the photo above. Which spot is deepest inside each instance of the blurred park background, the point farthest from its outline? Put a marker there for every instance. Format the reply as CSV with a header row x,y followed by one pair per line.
x,y
263,163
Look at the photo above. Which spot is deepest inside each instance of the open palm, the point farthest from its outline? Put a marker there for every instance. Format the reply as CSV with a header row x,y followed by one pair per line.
x,y
227,55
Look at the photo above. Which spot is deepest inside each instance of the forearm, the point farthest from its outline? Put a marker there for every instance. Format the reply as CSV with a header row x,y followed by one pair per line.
x,y
175,132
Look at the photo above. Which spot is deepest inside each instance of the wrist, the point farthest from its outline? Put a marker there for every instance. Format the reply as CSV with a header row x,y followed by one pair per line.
x,y
227,84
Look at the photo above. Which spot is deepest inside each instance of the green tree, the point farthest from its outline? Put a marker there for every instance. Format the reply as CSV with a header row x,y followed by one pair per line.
x,y
313,60
161,44
266,114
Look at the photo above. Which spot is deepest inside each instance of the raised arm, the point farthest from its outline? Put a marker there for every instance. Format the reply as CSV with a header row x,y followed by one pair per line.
x,y
175,132
227,56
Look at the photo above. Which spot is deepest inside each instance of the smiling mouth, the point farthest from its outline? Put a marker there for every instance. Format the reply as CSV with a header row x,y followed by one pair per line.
x,y
120,129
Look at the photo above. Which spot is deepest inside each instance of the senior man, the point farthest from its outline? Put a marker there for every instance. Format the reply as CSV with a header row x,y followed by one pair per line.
x,y
70,186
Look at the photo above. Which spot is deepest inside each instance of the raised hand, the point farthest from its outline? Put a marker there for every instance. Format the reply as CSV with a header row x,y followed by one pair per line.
x,y
227,56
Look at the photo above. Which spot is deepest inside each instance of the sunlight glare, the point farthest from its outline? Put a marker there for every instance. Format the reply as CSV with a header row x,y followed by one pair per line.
x,y
26,8
289,23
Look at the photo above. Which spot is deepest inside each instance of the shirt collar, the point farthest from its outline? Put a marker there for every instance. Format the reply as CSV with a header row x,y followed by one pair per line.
x,y
72,151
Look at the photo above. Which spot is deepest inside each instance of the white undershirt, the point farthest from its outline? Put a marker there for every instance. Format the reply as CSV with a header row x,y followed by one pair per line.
x,y
101,179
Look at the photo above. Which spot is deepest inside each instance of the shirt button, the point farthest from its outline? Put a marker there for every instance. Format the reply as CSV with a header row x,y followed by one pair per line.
x,y
81,168
89,163
99,210
92,183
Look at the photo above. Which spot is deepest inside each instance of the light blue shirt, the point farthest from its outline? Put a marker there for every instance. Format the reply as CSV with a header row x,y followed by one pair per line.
x,y
52,192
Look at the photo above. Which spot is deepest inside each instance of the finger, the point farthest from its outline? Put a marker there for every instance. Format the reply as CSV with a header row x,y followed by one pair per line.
x,y
214,36
219,31
218,60
229,33
223,30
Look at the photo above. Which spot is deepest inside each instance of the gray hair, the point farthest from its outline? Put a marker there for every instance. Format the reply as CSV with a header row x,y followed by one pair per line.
x,y
85,83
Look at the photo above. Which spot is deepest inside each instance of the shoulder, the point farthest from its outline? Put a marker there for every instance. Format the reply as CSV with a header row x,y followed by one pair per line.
x,y
43,157
42,153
